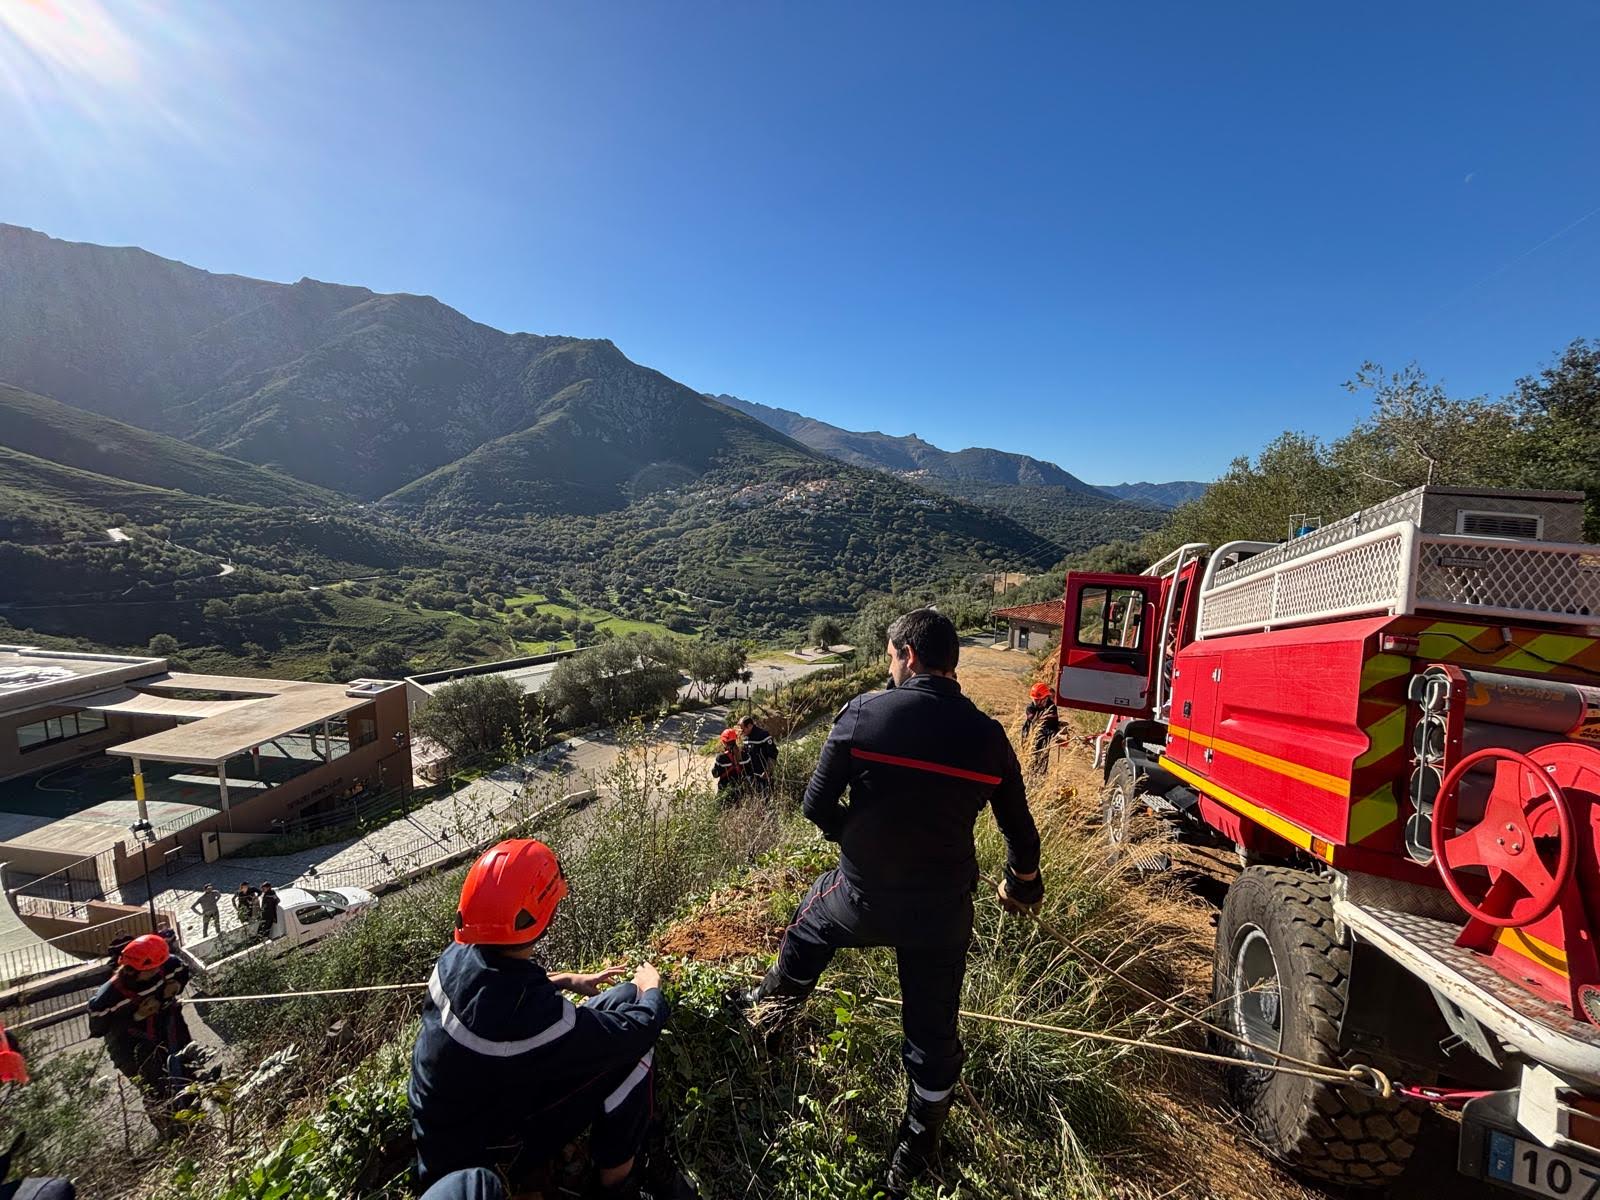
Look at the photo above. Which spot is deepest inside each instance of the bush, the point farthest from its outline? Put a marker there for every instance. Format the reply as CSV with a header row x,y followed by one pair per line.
x,y
476,716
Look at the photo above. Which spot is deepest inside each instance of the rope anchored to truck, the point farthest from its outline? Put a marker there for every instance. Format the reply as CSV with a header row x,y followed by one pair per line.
x,y
1360,1075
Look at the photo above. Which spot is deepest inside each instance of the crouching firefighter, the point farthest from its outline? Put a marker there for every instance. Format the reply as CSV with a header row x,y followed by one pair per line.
x,y
921,761
506,1071
138,1013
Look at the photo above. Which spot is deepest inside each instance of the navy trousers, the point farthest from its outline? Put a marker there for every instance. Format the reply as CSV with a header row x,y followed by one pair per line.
x,y
929,933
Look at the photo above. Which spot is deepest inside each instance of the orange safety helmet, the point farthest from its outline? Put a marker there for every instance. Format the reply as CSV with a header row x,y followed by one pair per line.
x,y
510,894
729,736
146,952
1039,691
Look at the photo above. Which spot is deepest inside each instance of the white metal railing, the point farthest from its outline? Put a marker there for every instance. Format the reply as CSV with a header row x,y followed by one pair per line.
x,y
1400,570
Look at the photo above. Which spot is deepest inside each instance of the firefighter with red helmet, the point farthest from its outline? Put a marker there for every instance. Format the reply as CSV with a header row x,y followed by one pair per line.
x,y
138,1013
506,1070
731,767
1040,723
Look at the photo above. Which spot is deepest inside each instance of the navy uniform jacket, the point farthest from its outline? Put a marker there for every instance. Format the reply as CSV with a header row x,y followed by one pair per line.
x,y
921,761
125,1007
501,1052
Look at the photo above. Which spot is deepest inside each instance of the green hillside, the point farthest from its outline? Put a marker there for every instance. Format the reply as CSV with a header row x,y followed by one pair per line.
x,y
74,437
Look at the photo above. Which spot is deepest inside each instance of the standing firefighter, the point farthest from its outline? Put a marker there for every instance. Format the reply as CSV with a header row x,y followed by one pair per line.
x,y
1040,724
920,762
730,767
761,751
138,1014
506,1071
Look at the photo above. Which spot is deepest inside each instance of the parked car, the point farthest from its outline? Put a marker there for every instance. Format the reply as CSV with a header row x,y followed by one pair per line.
x,y
303,917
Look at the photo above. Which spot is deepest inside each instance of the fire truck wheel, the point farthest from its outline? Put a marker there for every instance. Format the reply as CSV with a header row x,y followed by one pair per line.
x,y
1280,979
1118,802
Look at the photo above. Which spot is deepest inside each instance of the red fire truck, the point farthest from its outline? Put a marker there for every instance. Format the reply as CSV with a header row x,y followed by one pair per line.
x,y
1395,721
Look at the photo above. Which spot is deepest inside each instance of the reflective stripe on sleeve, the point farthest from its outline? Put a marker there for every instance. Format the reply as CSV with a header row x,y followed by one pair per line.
x,y
634,1079
463,1036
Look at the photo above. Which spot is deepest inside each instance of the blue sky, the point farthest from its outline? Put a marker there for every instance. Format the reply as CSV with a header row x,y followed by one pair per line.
x,y
1134,239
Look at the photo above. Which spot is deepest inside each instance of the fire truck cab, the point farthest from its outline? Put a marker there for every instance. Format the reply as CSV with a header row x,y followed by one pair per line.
x,y
1395,721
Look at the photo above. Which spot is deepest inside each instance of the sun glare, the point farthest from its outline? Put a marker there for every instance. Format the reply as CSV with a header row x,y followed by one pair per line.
x,y
45,41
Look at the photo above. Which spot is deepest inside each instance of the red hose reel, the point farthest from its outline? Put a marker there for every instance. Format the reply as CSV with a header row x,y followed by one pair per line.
x,y
1526,840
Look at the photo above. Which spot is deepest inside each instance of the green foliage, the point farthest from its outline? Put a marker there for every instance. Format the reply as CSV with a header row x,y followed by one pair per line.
x,y
712,665
624,677
1561,405
826,631
473,716
62,1114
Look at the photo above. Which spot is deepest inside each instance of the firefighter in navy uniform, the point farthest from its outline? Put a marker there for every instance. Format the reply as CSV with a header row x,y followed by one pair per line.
x,y
761,751
921,761
138,1014
506,1071
1040,724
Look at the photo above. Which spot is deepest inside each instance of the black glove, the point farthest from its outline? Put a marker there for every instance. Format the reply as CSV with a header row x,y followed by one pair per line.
x,y
1021,895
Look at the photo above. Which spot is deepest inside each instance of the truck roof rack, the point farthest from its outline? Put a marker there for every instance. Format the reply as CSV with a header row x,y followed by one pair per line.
x,y
1509,554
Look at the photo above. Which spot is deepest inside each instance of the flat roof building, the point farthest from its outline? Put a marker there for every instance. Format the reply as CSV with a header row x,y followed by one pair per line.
x,y
92,743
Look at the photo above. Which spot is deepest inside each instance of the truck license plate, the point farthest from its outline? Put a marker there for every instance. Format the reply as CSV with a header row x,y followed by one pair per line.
x,y
1530,1167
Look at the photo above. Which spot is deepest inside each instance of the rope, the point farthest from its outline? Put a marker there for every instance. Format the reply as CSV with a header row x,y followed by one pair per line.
x,y
1376,1080
1360,1073
350,991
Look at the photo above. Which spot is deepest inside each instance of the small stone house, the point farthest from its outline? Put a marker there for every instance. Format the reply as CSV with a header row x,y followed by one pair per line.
x,y
1031,626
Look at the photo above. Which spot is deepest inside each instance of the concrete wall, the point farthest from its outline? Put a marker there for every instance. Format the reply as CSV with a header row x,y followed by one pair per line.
x,y
101,924
1031,635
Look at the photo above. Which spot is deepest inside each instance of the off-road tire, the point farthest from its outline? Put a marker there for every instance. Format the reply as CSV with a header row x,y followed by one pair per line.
x,y
1118,802
1343,1135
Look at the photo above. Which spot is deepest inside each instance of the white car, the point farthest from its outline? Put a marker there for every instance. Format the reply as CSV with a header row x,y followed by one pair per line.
x,y
303,917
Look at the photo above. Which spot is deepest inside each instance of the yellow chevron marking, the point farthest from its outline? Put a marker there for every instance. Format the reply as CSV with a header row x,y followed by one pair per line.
x,y
1438,642
1284,829
1521,942
1279,766
1373,813
1386,735
1381,668
1557,648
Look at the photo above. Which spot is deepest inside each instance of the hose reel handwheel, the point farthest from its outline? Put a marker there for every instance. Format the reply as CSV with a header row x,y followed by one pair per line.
x,y
1503,842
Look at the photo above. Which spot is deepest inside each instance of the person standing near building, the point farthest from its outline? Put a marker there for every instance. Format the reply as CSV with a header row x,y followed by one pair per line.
x,y
244,905
269,911
506,1071
761,750
1040,724
920,761
206,906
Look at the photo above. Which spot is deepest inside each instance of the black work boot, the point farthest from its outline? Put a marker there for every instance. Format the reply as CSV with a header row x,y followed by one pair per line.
x,y
916,1144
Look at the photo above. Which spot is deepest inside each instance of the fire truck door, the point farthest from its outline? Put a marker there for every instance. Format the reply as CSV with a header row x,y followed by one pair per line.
x,y
1107,642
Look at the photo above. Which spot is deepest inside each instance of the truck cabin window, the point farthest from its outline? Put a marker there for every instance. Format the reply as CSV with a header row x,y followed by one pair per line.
x,y
1110,618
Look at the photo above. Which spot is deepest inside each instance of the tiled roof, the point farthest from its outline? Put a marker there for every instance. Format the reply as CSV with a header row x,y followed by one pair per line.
x,y
1046,613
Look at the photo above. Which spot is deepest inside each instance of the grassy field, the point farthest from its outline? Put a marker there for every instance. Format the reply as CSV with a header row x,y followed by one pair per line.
x,y
565,606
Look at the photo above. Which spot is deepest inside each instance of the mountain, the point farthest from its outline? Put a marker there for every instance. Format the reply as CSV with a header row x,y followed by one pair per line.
x,y
910,454
49,430
535,457
1052,503
1161,495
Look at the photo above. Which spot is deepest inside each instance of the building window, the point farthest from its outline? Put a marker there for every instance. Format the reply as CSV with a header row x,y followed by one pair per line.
x,y
58,729
363,731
